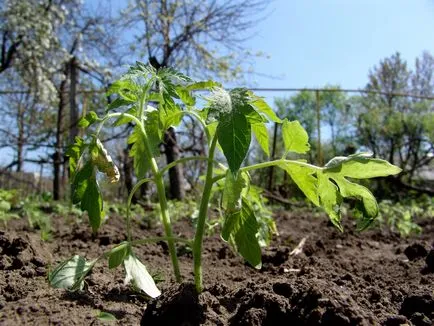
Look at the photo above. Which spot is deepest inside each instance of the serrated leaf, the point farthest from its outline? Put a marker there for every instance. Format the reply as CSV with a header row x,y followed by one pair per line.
x,y
119,102
261,134
305,179
368,207
125,88
185,96
124,119
138,153
251,115
240,229
210,84
88,120
138,274
171,117
330,199
117,255
263,107
70,273
234,136
74,152
361,166
295,138
232,192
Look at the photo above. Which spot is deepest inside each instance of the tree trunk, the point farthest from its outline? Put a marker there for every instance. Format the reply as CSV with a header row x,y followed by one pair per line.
x,y
73,110
176,174
20,142
58,147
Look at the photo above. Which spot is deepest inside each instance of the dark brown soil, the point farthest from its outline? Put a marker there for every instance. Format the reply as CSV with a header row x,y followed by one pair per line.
x,y
372,278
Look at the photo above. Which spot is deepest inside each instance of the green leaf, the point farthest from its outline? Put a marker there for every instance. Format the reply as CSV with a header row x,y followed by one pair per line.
x,y
232,192
91,201
263,107
330,199
80,181
138,153
261,134
105,316
125,88
88,120
117,255
234,136
119,102
368,207
295,138
240,229
203,85
124,119
71,273
304,177
361,166
185,96
251,115
74,152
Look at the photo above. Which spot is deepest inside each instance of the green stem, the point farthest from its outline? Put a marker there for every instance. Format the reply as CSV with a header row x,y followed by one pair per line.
x,y
130,198
203,209
182,160
268,164
157,239
159,182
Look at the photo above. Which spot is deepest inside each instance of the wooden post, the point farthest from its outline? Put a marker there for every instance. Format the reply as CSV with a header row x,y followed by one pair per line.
x,y
318,128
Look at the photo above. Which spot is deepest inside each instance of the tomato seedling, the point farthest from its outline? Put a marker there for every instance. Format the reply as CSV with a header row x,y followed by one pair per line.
x,y
155,100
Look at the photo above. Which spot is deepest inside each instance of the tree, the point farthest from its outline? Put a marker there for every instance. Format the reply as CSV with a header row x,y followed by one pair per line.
x,y
395,127
202,38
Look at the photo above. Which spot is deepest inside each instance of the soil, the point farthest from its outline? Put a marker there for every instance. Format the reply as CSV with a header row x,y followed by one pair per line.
x,y
350,278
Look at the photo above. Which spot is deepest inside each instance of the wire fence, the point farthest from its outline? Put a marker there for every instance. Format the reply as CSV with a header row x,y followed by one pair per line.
x,y
8,179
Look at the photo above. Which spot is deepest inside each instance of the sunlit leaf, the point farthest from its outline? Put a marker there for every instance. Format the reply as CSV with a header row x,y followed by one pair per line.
x,y
304,177
117,255
295,138
240,229
361,166
261,134
232,192
264,108
234,136
71,273
138,274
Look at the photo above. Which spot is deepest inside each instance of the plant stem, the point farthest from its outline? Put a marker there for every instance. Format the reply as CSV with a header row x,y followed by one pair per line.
x,y
130,198
159,182
203,209
268,164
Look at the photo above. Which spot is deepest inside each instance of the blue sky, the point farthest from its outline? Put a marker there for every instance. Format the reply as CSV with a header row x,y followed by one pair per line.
x,y
312,43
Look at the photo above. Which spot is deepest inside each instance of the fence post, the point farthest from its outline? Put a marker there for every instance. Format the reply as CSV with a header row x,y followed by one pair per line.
x,y
318,128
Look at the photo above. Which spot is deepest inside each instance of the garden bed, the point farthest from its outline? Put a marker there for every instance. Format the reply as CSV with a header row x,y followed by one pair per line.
x,y
347,278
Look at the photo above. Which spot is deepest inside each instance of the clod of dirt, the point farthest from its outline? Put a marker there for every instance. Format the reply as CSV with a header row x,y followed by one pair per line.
x,y
423,304
177,306
430,262
276,257
415,251
396,320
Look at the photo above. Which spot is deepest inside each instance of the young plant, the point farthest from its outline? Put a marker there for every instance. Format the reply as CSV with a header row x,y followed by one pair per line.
x,y
155,100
